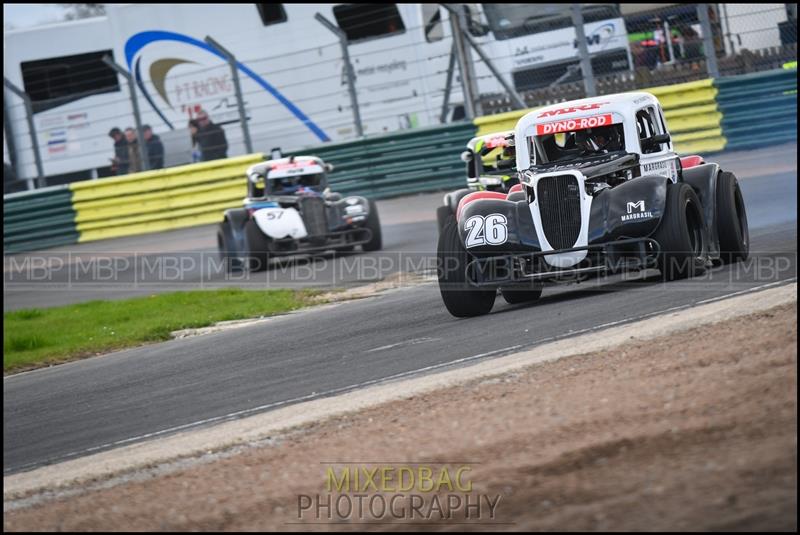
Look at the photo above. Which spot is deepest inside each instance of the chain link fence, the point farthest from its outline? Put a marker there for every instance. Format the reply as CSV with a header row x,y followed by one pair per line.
x,y
367,69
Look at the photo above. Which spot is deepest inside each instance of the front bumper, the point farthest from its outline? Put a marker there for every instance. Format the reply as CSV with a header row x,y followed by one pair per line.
x,y
525,267
333,240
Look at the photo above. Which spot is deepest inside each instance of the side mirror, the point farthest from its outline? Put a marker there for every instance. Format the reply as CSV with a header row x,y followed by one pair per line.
x,y
466,156
657,139
329,167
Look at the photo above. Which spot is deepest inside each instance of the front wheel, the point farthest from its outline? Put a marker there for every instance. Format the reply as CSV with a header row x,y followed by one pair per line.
x,y
460,298
732,229
681,235
443,213
227,250
374,226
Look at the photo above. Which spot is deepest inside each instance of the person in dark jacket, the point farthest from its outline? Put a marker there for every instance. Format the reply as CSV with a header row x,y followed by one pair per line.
x,y
120,161
211,138
155,149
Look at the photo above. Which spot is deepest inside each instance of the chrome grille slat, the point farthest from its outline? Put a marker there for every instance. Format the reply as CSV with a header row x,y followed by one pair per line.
x,y
560,209
313,211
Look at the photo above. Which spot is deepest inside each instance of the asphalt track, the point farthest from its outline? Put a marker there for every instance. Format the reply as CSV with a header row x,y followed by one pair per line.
x,y
75,409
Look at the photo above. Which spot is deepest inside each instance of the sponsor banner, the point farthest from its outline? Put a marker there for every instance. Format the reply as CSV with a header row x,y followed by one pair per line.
x,y
570,125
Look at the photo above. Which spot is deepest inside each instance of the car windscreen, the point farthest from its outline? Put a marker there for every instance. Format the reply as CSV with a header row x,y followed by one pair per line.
x,y
289,185
570,144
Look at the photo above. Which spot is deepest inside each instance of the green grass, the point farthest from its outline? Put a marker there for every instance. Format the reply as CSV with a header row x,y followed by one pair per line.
x,y
38,337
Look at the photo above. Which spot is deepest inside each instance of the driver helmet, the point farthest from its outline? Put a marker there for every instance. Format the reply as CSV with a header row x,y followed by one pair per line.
x,y
597,140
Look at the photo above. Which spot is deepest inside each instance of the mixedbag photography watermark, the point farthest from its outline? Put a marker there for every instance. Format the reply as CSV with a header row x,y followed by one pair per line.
x,y
398,492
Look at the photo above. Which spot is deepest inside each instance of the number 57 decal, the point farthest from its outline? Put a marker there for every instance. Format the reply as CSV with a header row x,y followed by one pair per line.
x,y
489,230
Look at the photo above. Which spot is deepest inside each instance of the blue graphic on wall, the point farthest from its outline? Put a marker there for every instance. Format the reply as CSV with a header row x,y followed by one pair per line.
x,y
137,42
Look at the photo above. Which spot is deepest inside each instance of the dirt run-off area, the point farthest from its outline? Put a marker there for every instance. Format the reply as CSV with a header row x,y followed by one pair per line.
x,y
692,431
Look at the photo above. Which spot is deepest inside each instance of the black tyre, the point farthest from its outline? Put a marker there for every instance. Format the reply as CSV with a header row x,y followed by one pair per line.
x,y
461,299
732,229
258,247
374,225
443,213
227,250
680,234
521,295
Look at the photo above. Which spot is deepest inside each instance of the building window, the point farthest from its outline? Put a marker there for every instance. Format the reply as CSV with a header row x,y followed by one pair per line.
x,y
57,81
271,13
368,21
432,18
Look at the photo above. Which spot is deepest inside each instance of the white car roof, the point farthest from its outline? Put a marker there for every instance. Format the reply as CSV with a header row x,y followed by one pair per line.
x,y
283,167
622,107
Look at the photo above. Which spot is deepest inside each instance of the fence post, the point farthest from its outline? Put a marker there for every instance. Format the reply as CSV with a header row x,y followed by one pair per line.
x,y
448,86
136,115
31,128
583,51
351,75
708,41
472,105
237,87
515,98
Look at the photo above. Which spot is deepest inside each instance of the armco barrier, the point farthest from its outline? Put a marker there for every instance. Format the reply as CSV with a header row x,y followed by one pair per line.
x,y
423,159
165,199
38,219
690,109
759,109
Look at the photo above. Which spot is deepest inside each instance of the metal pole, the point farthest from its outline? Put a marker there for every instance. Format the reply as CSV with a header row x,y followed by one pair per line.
x,y
708,41
231,59
471,107
668,34
583,51
451,65
136,115
31,128
351,75
515,98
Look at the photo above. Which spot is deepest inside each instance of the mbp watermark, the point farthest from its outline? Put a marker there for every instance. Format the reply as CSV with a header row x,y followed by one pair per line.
x,y
396,493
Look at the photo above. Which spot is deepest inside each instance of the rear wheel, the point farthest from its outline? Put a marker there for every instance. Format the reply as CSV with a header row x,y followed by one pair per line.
x,y
732,229
461,299
374,226
680,234
443,213
521,295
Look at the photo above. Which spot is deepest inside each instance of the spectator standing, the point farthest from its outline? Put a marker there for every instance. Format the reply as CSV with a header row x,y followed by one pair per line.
x,y
211,138
155,149
120,161
197,156
134,157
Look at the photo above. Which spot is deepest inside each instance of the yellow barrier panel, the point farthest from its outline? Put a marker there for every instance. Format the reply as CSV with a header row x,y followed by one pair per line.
x,y
688,107
159,200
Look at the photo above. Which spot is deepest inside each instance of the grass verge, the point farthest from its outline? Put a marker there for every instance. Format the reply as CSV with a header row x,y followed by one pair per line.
x,y
40,337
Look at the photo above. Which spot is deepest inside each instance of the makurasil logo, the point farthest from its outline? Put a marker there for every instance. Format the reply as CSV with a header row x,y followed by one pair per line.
x,y
570,125
636,211
572,109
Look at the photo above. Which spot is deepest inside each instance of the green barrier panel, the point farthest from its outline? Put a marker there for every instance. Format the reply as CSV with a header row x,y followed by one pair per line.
x,y
759,109
423,159
38,219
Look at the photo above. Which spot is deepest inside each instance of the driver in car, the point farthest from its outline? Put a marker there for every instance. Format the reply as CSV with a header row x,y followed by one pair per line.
x,y
601,140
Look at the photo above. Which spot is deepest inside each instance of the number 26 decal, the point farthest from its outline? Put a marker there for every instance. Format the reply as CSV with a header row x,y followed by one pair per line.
x,y
489,230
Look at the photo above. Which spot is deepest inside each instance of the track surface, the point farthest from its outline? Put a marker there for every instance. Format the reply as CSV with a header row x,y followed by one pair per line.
x,y
76,409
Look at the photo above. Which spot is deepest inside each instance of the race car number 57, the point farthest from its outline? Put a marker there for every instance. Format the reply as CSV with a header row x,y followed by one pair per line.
x,y
489,230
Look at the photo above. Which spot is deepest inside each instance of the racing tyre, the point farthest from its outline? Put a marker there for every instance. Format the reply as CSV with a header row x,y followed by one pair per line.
x,y
374,225
443,213
258,247
521,295
461,299
227,251
680,234
734,236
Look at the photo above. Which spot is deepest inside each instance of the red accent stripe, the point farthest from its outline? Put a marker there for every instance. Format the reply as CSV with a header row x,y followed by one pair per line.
x,y
476,195
515,188
691,161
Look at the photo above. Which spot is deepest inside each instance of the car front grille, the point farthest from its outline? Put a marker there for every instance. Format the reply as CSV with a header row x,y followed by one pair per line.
x,y
313,211
560,208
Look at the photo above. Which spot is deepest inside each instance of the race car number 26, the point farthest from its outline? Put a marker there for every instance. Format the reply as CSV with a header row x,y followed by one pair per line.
x,y
489,230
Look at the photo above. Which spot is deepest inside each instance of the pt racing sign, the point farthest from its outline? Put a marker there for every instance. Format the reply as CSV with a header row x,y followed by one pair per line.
x,y
570,125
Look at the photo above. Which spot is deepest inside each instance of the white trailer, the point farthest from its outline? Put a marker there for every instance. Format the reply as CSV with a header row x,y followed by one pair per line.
x,y
290,66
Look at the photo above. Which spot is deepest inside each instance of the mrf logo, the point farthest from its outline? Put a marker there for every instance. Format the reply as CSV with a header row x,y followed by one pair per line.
x,y
572,109
633,214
